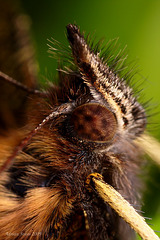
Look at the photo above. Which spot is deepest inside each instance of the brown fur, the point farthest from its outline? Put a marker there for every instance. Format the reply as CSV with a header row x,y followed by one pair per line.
x,y
43,193
62,167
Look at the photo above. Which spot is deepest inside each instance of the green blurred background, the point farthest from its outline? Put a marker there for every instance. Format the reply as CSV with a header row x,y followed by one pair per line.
x,y
137,24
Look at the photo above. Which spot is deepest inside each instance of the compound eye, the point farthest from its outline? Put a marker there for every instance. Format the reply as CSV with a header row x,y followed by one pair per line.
x,y
93,122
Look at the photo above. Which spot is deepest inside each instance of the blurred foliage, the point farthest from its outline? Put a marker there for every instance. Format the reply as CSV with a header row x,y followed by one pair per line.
x,y
137,24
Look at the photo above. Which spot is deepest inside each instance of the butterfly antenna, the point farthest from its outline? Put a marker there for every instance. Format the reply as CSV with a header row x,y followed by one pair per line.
x,y
11,80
